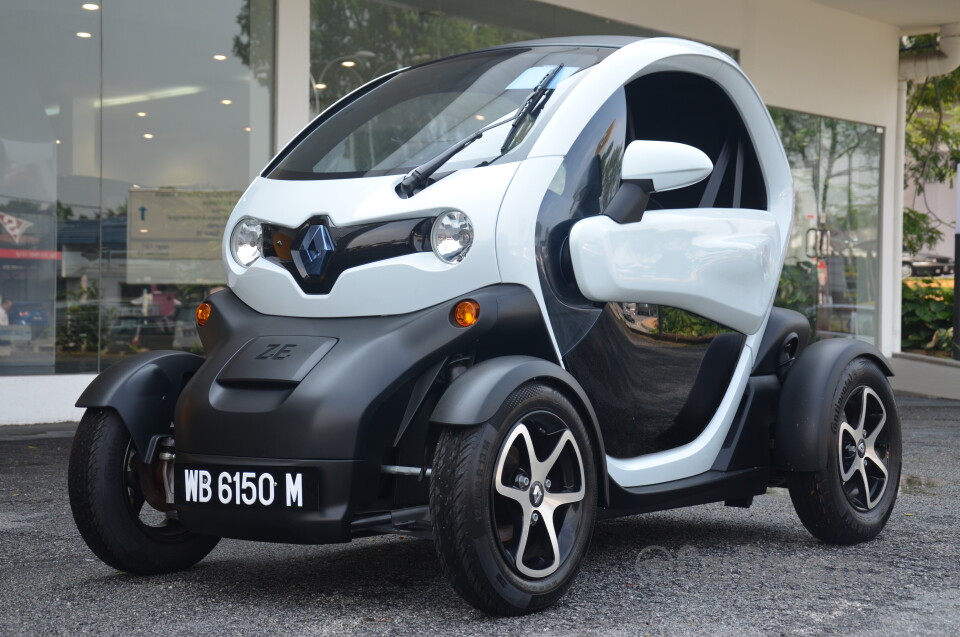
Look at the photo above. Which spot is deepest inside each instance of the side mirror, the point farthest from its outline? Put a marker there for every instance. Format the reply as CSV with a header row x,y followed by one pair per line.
x,y
659,166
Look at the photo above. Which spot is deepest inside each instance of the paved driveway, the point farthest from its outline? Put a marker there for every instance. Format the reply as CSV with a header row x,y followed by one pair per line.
x,y
705,570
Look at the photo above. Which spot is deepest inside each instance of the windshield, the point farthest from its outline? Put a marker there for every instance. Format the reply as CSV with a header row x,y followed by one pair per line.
x,y
419,113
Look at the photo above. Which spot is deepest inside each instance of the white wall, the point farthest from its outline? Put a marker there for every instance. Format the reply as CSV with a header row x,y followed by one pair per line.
x,y
805,57
35,399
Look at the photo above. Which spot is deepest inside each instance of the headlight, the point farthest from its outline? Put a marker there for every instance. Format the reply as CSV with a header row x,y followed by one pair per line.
x,y
452,236
246,241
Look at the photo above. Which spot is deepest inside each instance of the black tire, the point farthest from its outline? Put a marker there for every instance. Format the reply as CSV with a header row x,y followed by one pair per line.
x,y
844,504
109,508
479,531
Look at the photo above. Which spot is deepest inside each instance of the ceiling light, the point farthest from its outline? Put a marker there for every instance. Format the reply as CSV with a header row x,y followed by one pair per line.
x,y
58,141
141,114
89,6
479,117
176,91
144,230
248,129
226,102
319,86
136,185
348,63
148,135
83,34
219,57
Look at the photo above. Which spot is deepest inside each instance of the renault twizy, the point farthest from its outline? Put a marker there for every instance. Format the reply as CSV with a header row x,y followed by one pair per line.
x,y
486,300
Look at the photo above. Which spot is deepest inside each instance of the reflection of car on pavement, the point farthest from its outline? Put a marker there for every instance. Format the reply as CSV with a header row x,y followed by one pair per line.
x,y
439,348
31,314
926,264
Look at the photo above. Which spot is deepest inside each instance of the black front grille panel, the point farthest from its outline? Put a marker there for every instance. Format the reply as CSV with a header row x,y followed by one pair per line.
x,y
353,246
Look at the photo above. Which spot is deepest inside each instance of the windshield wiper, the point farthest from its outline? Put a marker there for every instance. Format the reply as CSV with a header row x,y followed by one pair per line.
x,y
416,180
533,103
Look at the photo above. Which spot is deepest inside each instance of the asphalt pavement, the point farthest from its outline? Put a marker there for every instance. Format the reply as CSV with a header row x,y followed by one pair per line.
x,y
706,570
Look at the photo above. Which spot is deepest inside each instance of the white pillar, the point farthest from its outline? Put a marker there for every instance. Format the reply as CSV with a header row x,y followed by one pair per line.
x,y
261,126
891,233
292,106
956,190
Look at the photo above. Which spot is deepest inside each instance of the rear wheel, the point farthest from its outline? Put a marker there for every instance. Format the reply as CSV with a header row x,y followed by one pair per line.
x,y
513,502
851,499
109,489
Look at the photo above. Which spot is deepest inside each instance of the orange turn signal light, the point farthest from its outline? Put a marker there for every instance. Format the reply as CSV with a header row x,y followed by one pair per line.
x,y
203,313
466,313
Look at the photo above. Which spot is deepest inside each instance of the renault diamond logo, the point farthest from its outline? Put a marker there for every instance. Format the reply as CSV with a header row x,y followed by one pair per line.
x,y
536,494
313,251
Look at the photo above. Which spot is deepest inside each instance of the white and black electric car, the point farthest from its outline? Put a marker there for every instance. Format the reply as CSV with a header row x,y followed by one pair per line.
x,y
489,299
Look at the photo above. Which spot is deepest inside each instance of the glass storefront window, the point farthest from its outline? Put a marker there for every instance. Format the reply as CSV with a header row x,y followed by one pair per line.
x,y
131,131
831,272
49,85
355,41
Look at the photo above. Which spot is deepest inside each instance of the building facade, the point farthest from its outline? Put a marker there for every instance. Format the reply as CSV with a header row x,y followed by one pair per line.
x,y
128,130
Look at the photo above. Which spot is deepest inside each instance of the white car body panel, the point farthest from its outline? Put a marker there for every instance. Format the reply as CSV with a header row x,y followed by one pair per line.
x,y
516,225
392,286
668,165
720,264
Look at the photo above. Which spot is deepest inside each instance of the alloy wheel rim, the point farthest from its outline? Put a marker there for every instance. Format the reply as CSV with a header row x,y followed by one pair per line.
x,y
539,488
864,449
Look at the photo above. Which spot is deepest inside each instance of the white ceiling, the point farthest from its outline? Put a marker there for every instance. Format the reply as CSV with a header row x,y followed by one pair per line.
x,y
906,14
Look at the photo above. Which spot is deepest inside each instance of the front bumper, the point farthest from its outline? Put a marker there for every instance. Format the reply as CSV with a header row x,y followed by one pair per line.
x,y
327,394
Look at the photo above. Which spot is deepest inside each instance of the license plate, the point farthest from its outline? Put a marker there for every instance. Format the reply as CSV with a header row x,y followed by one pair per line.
x,y
291,488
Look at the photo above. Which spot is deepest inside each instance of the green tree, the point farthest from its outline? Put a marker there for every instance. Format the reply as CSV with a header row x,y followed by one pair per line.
x,y
396,36
932,143
64,212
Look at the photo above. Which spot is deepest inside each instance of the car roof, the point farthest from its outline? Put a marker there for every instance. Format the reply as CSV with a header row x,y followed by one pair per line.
x,y
605,41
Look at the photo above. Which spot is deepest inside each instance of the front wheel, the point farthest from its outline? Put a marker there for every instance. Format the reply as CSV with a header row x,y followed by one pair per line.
x,y
109,488
513,502
851,499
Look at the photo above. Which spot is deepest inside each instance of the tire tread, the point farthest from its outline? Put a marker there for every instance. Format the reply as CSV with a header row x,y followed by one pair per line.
x,y
822,509
453,485
98,446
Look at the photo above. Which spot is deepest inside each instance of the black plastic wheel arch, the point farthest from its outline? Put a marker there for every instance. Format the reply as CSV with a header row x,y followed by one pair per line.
x,y
474,397
806,403
143,389
781,326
